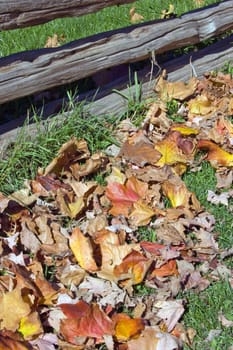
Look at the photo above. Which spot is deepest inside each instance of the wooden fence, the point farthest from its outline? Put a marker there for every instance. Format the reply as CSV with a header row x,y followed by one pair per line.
x,y
42,69
33,71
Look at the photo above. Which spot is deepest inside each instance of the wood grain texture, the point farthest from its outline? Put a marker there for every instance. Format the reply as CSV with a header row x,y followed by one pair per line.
x,y
22,13
33,71
207,59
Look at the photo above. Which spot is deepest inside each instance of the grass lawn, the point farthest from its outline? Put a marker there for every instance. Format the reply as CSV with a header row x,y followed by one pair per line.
x,y
75,28
25,156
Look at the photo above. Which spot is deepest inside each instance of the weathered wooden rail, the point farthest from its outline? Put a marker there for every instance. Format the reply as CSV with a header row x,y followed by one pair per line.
x,y
19,14
42,69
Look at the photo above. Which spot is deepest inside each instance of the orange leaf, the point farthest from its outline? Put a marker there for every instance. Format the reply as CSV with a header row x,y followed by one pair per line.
x,y
82,250
133,266
127,328
216,155
112,255
123,196
84,320
168,269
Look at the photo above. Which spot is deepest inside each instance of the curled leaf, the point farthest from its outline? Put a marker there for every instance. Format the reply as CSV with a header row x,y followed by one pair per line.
x,y
216,155
133,266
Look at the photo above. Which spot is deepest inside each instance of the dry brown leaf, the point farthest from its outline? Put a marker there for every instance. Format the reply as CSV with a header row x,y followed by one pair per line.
x,y
175,90
134,16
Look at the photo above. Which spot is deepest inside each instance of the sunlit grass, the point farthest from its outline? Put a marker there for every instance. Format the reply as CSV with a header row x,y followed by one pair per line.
x,y
78,27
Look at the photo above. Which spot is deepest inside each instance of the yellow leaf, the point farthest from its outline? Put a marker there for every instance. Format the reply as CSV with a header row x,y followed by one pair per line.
x,y
177,193
201,105
30,326
76,207
116,176
82,250
128,328
141,214
184,129
12,309
170,151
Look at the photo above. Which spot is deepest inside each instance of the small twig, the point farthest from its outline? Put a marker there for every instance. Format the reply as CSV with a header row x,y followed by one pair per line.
x,y
154,63
194,73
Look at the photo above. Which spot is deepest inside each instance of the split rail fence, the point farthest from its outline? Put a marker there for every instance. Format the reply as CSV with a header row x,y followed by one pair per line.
x,y
30,72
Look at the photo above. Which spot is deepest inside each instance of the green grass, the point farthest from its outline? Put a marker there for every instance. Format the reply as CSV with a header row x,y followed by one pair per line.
x,y
202,181
24,157
202,315
75,28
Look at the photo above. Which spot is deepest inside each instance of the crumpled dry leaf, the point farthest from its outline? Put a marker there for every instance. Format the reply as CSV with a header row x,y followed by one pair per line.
x,y
170,311
30,326
54,41
221,198
71,151
175,90
109,292
139,150
141,214
134,16
178,194
167,269
123,196
134,267
8,343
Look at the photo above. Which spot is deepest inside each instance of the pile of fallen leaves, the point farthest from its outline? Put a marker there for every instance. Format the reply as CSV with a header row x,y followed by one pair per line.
x,y
71,249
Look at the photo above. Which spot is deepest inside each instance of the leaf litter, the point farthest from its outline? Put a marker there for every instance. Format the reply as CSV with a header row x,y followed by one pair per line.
x,y
72,255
